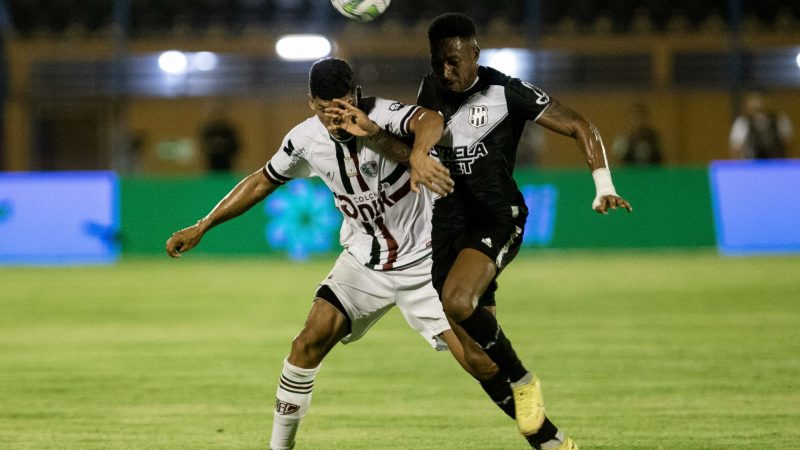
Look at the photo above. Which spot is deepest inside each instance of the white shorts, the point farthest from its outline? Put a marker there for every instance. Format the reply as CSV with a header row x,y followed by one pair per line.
x,y
368,294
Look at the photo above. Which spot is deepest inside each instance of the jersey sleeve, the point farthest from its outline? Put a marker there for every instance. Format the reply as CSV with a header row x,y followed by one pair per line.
x,y
393,116
289,161
526,99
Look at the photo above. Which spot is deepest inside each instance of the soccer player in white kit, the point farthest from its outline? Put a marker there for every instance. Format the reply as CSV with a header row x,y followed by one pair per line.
x,y
385,234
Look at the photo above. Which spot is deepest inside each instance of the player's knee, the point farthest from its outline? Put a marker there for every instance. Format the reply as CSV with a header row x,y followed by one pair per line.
x,y
458,303
309,347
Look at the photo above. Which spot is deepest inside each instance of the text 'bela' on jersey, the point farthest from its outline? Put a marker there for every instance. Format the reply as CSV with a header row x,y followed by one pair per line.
x,y
385,226
483,126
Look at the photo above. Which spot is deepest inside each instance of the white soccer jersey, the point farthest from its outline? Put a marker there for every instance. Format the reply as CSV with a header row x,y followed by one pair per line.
x,y
386,226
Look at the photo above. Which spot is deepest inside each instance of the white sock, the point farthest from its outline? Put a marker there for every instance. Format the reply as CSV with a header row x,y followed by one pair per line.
x,y
527,378
291,403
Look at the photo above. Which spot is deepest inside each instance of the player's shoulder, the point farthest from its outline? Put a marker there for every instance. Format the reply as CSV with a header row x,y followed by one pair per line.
x,y
493,77
305,134
306,130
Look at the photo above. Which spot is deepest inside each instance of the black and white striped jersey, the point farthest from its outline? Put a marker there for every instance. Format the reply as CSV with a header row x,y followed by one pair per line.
x,y
385,225
483,126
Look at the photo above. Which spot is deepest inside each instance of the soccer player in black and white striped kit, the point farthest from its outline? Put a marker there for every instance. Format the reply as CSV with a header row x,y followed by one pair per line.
x,y
477,229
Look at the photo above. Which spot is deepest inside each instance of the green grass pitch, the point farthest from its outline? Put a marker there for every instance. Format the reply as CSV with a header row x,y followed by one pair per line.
x,y
675,350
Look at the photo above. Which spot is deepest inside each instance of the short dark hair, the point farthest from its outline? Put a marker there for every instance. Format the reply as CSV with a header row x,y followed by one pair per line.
x,y
450,25
331,78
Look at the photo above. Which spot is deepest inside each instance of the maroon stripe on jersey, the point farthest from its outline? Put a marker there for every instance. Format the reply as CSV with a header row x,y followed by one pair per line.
x,y
391,244
273,176
342,169
375,251
401,192
395,175
351,147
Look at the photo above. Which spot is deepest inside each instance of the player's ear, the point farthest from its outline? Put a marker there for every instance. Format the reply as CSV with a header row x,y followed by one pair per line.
x,y
311,102
476,50
358,94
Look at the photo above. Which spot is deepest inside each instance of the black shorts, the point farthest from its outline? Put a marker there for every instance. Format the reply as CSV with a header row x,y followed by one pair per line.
x,y
500,241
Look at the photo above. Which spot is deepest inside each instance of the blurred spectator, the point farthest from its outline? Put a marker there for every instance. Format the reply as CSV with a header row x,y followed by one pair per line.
x,y
760,132
641,144
219,142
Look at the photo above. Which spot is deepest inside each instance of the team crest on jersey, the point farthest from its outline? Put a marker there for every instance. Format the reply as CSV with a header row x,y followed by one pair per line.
x,y
285,408
478,115
396,106
370,168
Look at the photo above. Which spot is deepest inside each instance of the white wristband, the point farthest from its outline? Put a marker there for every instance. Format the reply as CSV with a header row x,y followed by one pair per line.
x,y
602,184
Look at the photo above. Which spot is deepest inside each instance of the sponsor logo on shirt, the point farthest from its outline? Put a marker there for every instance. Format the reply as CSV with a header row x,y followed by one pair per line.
x,y
368,206
478,115
459,159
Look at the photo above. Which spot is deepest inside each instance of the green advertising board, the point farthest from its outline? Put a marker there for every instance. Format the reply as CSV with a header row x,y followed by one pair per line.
x,y
672,208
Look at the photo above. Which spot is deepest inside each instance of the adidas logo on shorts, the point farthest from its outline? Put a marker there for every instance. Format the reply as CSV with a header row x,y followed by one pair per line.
x,y
487,241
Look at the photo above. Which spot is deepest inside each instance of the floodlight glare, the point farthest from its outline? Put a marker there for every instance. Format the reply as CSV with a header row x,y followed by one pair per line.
x,y
507,60
204,61
173,62
303,47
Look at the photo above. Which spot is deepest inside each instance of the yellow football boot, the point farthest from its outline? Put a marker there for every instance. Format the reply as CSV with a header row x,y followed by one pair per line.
x,y
529,406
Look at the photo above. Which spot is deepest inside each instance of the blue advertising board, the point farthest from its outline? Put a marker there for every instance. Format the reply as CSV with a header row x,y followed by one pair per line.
x,y
59,218
756,206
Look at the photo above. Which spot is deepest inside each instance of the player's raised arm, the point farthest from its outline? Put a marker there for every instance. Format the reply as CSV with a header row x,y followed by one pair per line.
x,y
427,127
564,120
248,192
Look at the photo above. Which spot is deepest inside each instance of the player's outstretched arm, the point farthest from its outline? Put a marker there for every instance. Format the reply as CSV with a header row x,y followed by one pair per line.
x,y
351,119
426,125
564,120
251,190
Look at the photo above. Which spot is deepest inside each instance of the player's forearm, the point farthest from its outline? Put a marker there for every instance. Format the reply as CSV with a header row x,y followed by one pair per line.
x,y
428,129
591,144
390,146
247,193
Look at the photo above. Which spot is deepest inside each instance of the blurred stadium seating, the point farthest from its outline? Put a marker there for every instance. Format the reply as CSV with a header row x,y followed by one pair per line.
x,y
156,17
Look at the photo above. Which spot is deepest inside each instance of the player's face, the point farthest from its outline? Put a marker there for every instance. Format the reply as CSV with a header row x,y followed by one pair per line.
x,y
318,105
455,63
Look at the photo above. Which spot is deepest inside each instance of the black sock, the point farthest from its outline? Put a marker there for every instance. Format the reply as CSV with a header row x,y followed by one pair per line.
x,y
499,390
546,433
482,326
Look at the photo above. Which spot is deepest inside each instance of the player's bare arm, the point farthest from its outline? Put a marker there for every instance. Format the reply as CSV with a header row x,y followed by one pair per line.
x,y
565,121
251,190
427,127
351,119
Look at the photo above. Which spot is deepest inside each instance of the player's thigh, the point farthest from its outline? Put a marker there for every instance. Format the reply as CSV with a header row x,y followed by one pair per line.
x,y
419,303
364,294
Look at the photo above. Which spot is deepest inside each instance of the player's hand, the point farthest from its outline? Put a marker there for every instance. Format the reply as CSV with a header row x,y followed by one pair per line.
x,y
431,173
348,118
183,241
606,202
